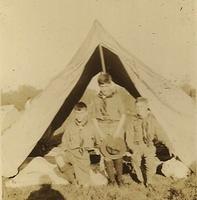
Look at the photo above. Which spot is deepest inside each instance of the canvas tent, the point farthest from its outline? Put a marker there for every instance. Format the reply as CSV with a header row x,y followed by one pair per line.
x,y
8,115
172,107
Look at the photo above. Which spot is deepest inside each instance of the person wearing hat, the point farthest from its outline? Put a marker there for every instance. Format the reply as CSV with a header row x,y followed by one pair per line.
x,y
109,118
144,128
78,139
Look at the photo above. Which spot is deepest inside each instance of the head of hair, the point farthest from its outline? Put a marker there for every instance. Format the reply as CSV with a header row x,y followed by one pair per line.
x,y
104,78
80,106
141,100
45,192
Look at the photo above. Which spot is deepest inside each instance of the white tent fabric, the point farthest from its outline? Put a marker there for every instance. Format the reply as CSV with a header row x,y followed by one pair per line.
x,y
175,169
39,171
8,115
172,107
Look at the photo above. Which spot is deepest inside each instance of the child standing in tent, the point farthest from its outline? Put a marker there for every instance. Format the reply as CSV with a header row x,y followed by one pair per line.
x,y
78,139
109,117
144,128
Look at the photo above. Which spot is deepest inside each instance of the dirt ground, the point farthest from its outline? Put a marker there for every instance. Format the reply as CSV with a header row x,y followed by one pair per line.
x,y
164,189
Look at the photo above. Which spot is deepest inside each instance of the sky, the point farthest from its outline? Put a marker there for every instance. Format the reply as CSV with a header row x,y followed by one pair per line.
x,y
39,37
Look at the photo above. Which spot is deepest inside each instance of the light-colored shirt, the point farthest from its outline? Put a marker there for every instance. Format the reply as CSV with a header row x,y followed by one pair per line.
x,y
76,136
145,128
108,108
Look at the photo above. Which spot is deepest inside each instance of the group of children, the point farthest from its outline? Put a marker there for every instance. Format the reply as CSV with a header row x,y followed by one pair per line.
x,y
109,131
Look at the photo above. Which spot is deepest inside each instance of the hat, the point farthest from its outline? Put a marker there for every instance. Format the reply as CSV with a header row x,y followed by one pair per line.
x,y
113,147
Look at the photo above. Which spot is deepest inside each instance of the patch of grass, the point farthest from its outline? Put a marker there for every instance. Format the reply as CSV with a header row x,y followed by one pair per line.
x,y
164,189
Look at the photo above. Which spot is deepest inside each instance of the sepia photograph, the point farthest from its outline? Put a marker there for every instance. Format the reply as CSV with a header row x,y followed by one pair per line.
x,y
98,100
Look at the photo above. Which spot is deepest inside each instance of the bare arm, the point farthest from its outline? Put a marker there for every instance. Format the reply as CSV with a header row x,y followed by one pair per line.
x,y
122,110
59,130
65,140
120,125
98,129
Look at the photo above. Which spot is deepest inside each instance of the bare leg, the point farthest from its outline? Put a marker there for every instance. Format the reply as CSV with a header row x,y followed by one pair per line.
x,y
109,166
67,172
118,165
136,162
150,164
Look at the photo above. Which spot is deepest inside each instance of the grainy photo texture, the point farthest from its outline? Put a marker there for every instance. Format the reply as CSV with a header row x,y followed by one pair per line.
x,y
98,100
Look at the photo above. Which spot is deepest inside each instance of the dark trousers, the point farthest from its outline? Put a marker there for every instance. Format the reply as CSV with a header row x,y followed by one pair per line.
x,y
114,170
